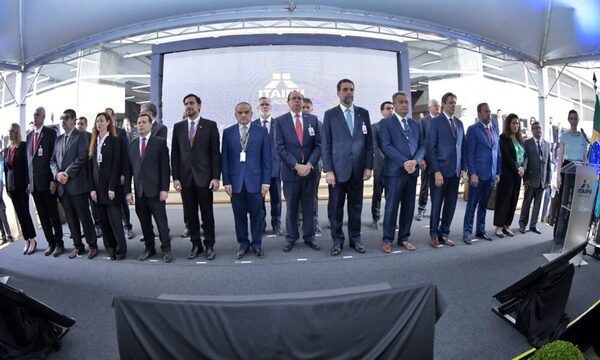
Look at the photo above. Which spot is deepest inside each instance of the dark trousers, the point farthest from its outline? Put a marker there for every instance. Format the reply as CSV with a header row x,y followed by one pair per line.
x,y
4,225
535,195
478,199
244,204
109,217
194,198
47,209
299,192
565,194
400,193
377,192
78,212
353,190
275,203
20,200
424,190
126,216
94,210
444,196
316,213
507,196
147,208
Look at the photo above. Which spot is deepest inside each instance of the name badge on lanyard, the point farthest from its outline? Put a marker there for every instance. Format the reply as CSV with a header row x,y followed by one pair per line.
x,y
99,158
243,156
40,151
364,129
311,131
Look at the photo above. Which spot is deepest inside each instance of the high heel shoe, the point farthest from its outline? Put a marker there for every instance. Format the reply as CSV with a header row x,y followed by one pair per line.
x,y
26,248
33,248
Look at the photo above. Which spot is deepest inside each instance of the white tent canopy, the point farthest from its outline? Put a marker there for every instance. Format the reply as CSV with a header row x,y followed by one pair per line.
x,y
543,32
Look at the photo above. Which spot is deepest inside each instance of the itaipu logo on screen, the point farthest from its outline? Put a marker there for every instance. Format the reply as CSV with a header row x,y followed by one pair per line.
x,y
585,187
279,87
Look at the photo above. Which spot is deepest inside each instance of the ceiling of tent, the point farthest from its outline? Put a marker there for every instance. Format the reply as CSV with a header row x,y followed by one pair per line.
x,y
543,32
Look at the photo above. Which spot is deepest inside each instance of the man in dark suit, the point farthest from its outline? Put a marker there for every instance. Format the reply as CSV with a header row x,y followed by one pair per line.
x,y
447,165
246,164
298,143
537,177
347,152
69,165
307,108
403,146
42,186
387,110
483,165
434,110
158,128
266,120
196,166
149,167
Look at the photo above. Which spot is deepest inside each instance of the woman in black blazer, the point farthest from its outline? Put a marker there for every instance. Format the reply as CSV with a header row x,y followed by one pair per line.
x,y
17,177
106,187
507,192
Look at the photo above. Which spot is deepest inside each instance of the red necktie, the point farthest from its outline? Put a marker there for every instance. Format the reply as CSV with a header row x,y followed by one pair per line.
x,y
35,141
143,146
11,155
489,134
299,132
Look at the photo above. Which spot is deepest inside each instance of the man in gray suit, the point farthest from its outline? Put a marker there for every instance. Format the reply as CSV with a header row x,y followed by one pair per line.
x,y
537,177
69,165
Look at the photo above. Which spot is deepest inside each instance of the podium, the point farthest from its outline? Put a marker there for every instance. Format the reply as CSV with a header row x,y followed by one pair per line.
x,y
580,183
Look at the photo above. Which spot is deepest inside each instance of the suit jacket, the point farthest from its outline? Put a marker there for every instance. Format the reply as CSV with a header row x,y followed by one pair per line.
x,y
537,172
344,153
399,146
444,152
256,170
289,149
38,159
17,175
483,158
106,176
198,163
159,129
150,173
72,159
378,157
124,149
276,163
509,157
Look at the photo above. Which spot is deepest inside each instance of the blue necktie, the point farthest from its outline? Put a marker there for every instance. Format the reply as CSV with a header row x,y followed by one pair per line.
x,y
192,130
349,121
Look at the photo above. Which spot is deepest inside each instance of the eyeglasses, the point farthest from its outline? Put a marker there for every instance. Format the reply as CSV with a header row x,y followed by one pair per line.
x,y
264,104
65,117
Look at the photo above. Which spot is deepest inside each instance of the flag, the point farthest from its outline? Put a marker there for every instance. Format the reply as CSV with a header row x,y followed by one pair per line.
x,y
596,132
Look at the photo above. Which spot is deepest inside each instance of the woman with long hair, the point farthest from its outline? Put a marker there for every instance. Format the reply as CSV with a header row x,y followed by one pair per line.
x,y
17,177
509,186
106,192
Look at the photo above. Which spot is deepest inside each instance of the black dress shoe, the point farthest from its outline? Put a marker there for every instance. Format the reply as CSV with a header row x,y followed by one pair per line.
x,y
508,232
336,250
241,253
49,250
358,247
484,236
313,245
121,257
259,253
288,247
194,252
467,240
522,230
535,230
374,225
277,231
58,251
167,257
146,254
210,253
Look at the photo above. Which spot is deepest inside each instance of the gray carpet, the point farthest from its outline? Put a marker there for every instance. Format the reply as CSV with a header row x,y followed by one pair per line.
x,y
467,277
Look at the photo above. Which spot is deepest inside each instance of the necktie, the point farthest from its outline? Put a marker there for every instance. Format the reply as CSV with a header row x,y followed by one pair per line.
x,y
299,132
404,125
489,132
349,121
453,126
539,146
143,147
35,141
244,138
65,143
265,123
192,131
11,155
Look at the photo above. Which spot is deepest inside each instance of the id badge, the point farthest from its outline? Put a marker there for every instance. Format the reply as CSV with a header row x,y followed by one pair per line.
x,y
40,151
364,129
311,131
99,158
243,156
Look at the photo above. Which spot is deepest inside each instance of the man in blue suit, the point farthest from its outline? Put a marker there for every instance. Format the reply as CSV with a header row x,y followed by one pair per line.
x,y
246,167
298,142
402,144
447,165
347,161
483,160
266,120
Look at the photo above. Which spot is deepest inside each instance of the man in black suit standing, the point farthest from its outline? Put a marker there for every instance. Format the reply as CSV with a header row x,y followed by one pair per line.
x,y
42,186
69,166
158,128
387,110
196,165
266,120
537,177
434,110
149,164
